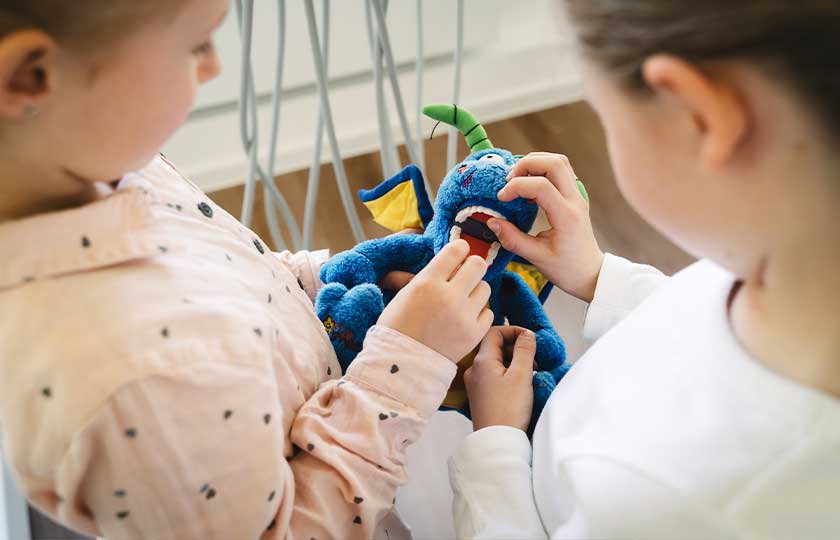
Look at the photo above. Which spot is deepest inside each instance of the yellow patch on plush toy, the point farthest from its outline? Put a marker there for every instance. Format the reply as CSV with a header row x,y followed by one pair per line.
x,y
396,210
530,275
456,397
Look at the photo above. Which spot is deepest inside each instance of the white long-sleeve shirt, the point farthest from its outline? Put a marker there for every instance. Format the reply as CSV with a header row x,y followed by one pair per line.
x,y
665,428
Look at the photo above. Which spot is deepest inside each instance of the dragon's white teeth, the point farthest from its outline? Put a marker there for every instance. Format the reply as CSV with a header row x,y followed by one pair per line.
x,y
454,233
465,213
493,252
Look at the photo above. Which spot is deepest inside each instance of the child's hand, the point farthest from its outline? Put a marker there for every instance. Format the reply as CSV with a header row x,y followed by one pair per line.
x,y
567,253
499,395
445,305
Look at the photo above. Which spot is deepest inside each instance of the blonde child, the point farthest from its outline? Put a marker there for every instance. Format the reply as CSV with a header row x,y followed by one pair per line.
x,y
709,406
163,375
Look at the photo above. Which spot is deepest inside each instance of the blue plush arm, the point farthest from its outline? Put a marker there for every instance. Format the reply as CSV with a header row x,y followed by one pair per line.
x,y
522,308
370,261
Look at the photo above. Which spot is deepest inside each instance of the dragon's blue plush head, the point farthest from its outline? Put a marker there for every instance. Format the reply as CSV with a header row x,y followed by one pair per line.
x,y
467,200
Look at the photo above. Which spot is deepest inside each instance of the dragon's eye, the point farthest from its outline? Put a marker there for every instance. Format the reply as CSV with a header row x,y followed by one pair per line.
x,y
493,158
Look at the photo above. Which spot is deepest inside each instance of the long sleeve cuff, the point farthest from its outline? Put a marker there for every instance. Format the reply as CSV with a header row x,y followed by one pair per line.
x,y
306,265
403,369
622,286
499,440
491,479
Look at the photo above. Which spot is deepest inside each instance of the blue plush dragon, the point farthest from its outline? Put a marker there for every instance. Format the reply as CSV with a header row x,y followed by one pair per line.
x,y
350,301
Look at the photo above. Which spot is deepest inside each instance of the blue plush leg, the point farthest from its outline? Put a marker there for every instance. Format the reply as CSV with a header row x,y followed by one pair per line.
x,y
349,268
347,315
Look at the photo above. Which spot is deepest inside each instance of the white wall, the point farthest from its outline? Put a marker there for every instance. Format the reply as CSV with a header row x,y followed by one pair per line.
x,y
518,59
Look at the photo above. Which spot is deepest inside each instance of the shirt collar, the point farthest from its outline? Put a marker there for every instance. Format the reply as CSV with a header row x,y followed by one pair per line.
x,y
105,232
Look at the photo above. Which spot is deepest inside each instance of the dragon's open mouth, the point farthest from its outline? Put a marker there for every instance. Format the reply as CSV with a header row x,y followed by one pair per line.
x,y
471,225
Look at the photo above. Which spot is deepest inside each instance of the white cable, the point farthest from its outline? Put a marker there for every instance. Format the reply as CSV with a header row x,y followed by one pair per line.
x,y
395,84
272,198
244,14
341,176
419,69
387,148
250,131
315,170
452,147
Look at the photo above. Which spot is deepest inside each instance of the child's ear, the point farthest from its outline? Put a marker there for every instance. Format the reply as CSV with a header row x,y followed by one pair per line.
x,y
25,77
717,112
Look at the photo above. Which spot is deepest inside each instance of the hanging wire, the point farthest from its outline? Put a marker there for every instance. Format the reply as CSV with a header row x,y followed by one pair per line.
x,y
419,69
452,147
249,130
315,170
385,42
338,165
387,147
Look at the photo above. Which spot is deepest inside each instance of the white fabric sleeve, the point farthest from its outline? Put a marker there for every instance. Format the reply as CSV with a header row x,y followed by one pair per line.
x,y
490,476
622,286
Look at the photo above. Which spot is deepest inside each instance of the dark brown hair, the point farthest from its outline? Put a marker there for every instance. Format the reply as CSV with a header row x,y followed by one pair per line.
x,y
798,40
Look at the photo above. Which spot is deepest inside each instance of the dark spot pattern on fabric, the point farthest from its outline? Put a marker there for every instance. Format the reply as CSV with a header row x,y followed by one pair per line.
x,y
205,209
119,493
228,414
122,515
259,246
358,500
357,520
46,392
131,433
85,242
267,419
395,368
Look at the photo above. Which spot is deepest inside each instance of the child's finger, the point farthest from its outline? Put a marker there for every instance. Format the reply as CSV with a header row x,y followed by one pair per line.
x,y
523,354
514,240
444,264
479,296
554,167
470,273
485,320
490,345
539,189
395,281
495,341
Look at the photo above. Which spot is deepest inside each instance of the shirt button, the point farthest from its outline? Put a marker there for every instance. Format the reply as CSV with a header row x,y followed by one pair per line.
x,y
205,209
259,246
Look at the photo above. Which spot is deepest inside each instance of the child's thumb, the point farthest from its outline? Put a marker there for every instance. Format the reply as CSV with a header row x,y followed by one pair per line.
x,y
524,351
514,240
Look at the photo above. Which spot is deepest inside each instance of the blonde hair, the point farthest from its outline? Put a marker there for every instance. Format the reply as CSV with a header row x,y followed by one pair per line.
x,y
81,23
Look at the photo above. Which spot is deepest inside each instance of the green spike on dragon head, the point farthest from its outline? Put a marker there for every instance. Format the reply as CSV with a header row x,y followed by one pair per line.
x,y
473,131
464,122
